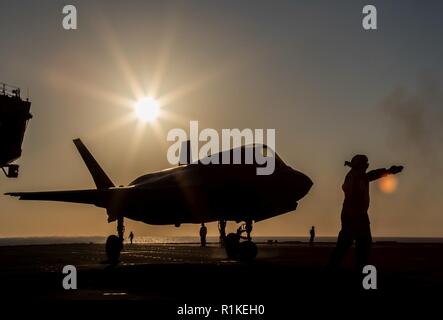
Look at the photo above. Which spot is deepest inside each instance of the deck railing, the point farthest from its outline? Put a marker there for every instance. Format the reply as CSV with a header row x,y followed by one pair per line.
x,y
8,90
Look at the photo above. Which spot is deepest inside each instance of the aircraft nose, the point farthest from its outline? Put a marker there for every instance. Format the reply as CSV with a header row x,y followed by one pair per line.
x,y
302,184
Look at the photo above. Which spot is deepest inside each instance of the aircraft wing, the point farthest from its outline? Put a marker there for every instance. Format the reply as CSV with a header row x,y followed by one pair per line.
x,y
92,196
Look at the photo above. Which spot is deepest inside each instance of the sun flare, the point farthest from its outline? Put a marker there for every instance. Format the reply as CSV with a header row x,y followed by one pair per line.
x,y
147,109
388,184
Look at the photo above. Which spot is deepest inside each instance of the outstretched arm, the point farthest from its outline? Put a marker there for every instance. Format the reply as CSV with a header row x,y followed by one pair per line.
x,y
378,173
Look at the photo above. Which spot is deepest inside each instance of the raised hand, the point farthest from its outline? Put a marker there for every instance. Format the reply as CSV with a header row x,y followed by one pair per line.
x,y
395,169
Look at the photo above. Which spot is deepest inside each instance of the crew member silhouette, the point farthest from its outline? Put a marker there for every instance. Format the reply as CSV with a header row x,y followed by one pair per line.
x,y
203,232
312,233
354,214
131,237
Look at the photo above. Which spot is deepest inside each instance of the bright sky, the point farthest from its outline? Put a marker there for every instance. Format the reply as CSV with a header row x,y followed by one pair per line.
x,y
307,69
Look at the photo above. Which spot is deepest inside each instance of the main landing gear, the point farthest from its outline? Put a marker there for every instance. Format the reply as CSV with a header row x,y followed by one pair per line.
x,y
241,250
114,244
222,231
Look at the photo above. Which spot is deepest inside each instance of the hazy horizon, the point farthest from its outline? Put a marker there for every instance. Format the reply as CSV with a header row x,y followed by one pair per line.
x,y
305,68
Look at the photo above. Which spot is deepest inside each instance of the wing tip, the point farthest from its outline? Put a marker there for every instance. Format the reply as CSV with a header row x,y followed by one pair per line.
x,y
14,194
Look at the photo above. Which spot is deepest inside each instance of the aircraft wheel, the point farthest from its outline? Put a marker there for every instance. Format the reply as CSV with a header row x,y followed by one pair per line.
x,y
232,242
247,251
113,247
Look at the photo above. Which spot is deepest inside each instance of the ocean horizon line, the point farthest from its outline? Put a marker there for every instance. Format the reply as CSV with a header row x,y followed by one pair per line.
x,y
47,240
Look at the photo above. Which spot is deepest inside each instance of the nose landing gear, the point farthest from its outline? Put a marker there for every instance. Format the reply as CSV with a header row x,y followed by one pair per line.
x,y
244,250
114,244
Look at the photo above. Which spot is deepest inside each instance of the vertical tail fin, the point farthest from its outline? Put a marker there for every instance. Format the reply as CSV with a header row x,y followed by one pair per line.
x,y
101,180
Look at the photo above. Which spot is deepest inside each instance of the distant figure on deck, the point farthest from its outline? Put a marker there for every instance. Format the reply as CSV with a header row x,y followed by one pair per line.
x,y
203,233
312,233
131,236
354,214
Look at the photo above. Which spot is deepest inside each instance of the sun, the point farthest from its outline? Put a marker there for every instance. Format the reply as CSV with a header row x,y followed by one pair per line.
x,y
147,109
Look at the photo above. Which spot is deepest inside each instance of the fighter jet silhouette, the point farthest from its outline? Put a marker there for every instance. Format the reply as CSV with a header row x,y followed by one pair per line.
x,y
191,193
